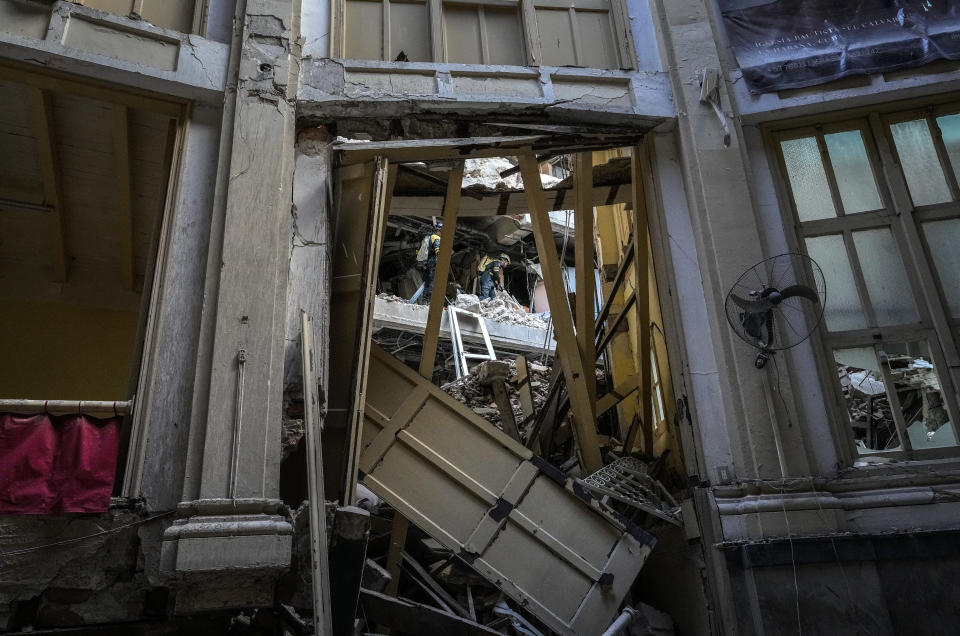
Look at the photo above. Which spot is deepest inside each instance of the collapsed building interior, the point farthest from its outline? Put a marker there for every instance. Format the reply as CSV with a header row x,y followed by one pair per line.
x,y
718,393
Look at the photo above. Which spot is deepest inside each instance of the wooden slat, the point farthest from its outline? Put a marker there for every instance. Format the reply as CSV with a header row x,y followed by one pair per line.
x,y
124,193
585,277
525,391
44,132
567,350
398,540
318,515
642,294
432,333
407,151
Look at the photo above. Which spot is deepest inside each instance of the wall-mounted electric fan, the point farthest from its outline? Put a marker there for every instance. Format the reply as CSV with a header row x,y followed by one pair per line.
x,y
777,303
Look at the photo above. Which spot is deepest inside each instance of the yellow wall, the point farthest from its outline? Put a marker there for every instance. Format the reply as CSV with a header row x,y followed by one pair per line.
x,y
59,351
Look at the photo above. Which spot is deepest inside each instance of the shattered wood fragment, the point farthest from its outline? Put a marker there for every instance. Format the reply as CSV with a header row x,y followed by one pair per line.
x,y
428,580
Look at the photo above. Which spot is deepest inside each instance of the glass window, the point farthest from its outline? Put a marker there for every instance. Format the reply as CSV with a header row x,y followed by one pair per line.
x,y
848,157
943,242
808,180
919,161
842,310
915,379
886,279
950,132
865,398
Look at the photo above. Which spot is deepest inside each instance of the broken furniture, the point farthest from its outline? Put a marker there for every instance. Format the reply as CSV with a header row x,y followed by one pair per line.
x,y
523,526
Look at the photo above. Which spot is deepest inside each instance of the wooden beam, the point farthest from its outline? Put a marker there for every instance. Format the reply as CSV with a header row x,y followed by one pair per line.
x,y
124,193
611,331
584,267
619,393
317,505
388,196
432,332
448,600
398,540
525,393
44,132
348,553
642,293
47,80
502,400
585,426
614,287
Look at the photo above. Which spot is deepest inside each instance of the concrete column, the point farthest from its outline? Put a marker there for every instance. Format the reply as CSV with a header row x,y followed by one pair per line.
x,y
726,240
231,521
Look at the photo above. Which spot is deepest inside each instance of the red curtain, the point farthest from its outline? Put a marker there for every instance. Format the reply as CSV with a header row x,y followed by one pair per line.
x,y
56,464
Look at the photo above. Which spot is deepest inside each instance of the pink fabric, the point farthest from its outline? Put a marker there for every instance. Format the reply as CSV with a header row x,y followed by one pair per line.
x,y
55,464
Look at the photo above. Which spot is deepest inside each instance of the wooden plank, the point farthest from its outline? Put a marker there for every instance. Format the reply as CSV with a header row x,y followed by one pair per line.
x,y
615,287
436,587
432,331
408,151
525,392
583,253
358,292
54,81
641,259
531,33
317,506
410,617
388,196
44,132
398,540
506,409
572,364
437,42
619,393
124,193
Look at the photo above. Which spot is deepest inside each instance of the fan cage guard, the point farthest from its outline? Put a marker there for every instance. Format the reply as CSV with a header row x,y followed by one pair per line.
x,y
792,315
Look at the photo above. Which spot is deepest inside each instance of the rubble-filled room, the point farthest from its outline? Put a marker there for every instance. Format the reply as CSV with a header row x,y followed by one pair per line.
x,y
461,295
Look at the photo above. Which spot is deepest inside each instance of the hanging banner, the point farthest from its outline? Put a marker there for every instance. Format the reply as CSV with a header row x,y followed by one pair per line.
x,y
782,44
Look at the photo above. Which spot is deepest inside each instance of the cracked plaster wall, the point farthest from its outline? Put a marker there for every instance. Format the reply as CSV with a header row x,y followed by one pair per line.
x,y
77,570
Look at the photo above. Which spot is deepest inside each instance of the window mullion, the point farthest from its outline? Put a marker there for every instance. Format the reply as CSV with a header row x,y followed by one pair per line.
x,y
944,158
858,278
531,33
894,398
575,30
831,176
386,48
917,254
484,41
437,43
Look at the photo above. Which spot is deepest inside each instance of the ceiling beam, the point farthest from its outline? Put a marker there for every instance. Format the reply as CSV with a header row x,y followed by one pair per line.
x,y
44,133
124,192
47,80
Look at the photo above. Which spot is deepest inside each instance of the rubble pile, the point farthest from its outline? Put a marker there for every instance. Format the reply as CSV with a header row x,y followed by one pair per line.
x,y
502,310
391,298
869,408
479,398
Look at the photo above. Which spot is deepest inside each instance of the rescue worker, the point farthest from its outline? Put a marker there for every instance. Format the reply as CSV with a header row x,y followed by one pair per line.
x,y
427,261
491,274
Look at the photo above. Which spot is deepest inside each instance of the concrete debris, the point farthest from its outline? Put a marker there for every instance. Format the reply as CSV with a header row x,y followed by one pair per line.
x,y
501,309
292,432
472,391
484,174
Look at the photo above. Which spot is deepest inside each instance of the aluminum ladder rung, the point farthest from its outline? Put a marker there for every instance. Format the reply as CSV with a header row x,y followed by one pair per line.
x,y
460,356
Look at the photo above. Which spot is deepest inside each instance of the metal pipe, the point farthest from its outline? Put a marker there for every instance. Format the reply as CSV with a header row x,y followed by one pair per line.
x,y
623,621
95,408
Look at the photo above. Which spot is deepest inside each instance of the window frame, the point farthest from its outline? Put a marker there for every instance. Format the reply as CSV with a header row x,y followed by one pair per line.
x,y
935,327
618,16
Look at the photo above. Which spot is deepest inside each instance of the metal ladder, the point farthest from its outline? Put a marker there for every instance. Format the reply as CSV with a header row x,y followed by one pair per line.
x,y
460,356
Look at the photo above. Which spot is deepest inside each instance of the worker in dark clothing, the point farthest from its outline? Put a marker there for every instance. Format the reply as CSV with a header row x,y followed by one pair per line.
x,y
491,274
427,261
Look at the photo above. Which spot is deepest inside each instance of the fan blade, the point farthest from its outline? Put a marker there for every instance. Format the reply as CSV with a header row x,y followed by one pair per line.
x,y
753,322
751,306
800,290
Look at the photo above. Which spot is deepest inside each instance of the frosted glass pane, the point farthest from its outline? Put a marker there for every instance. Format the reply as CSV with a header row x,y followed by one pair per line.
x,y
950,131
886,279
943,239
858,188
811,192
919,161
842,310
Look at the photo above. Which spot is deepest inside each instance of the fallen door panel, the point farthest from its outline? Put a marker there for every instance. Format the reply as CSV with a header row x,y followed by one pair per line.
x,y
525,528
